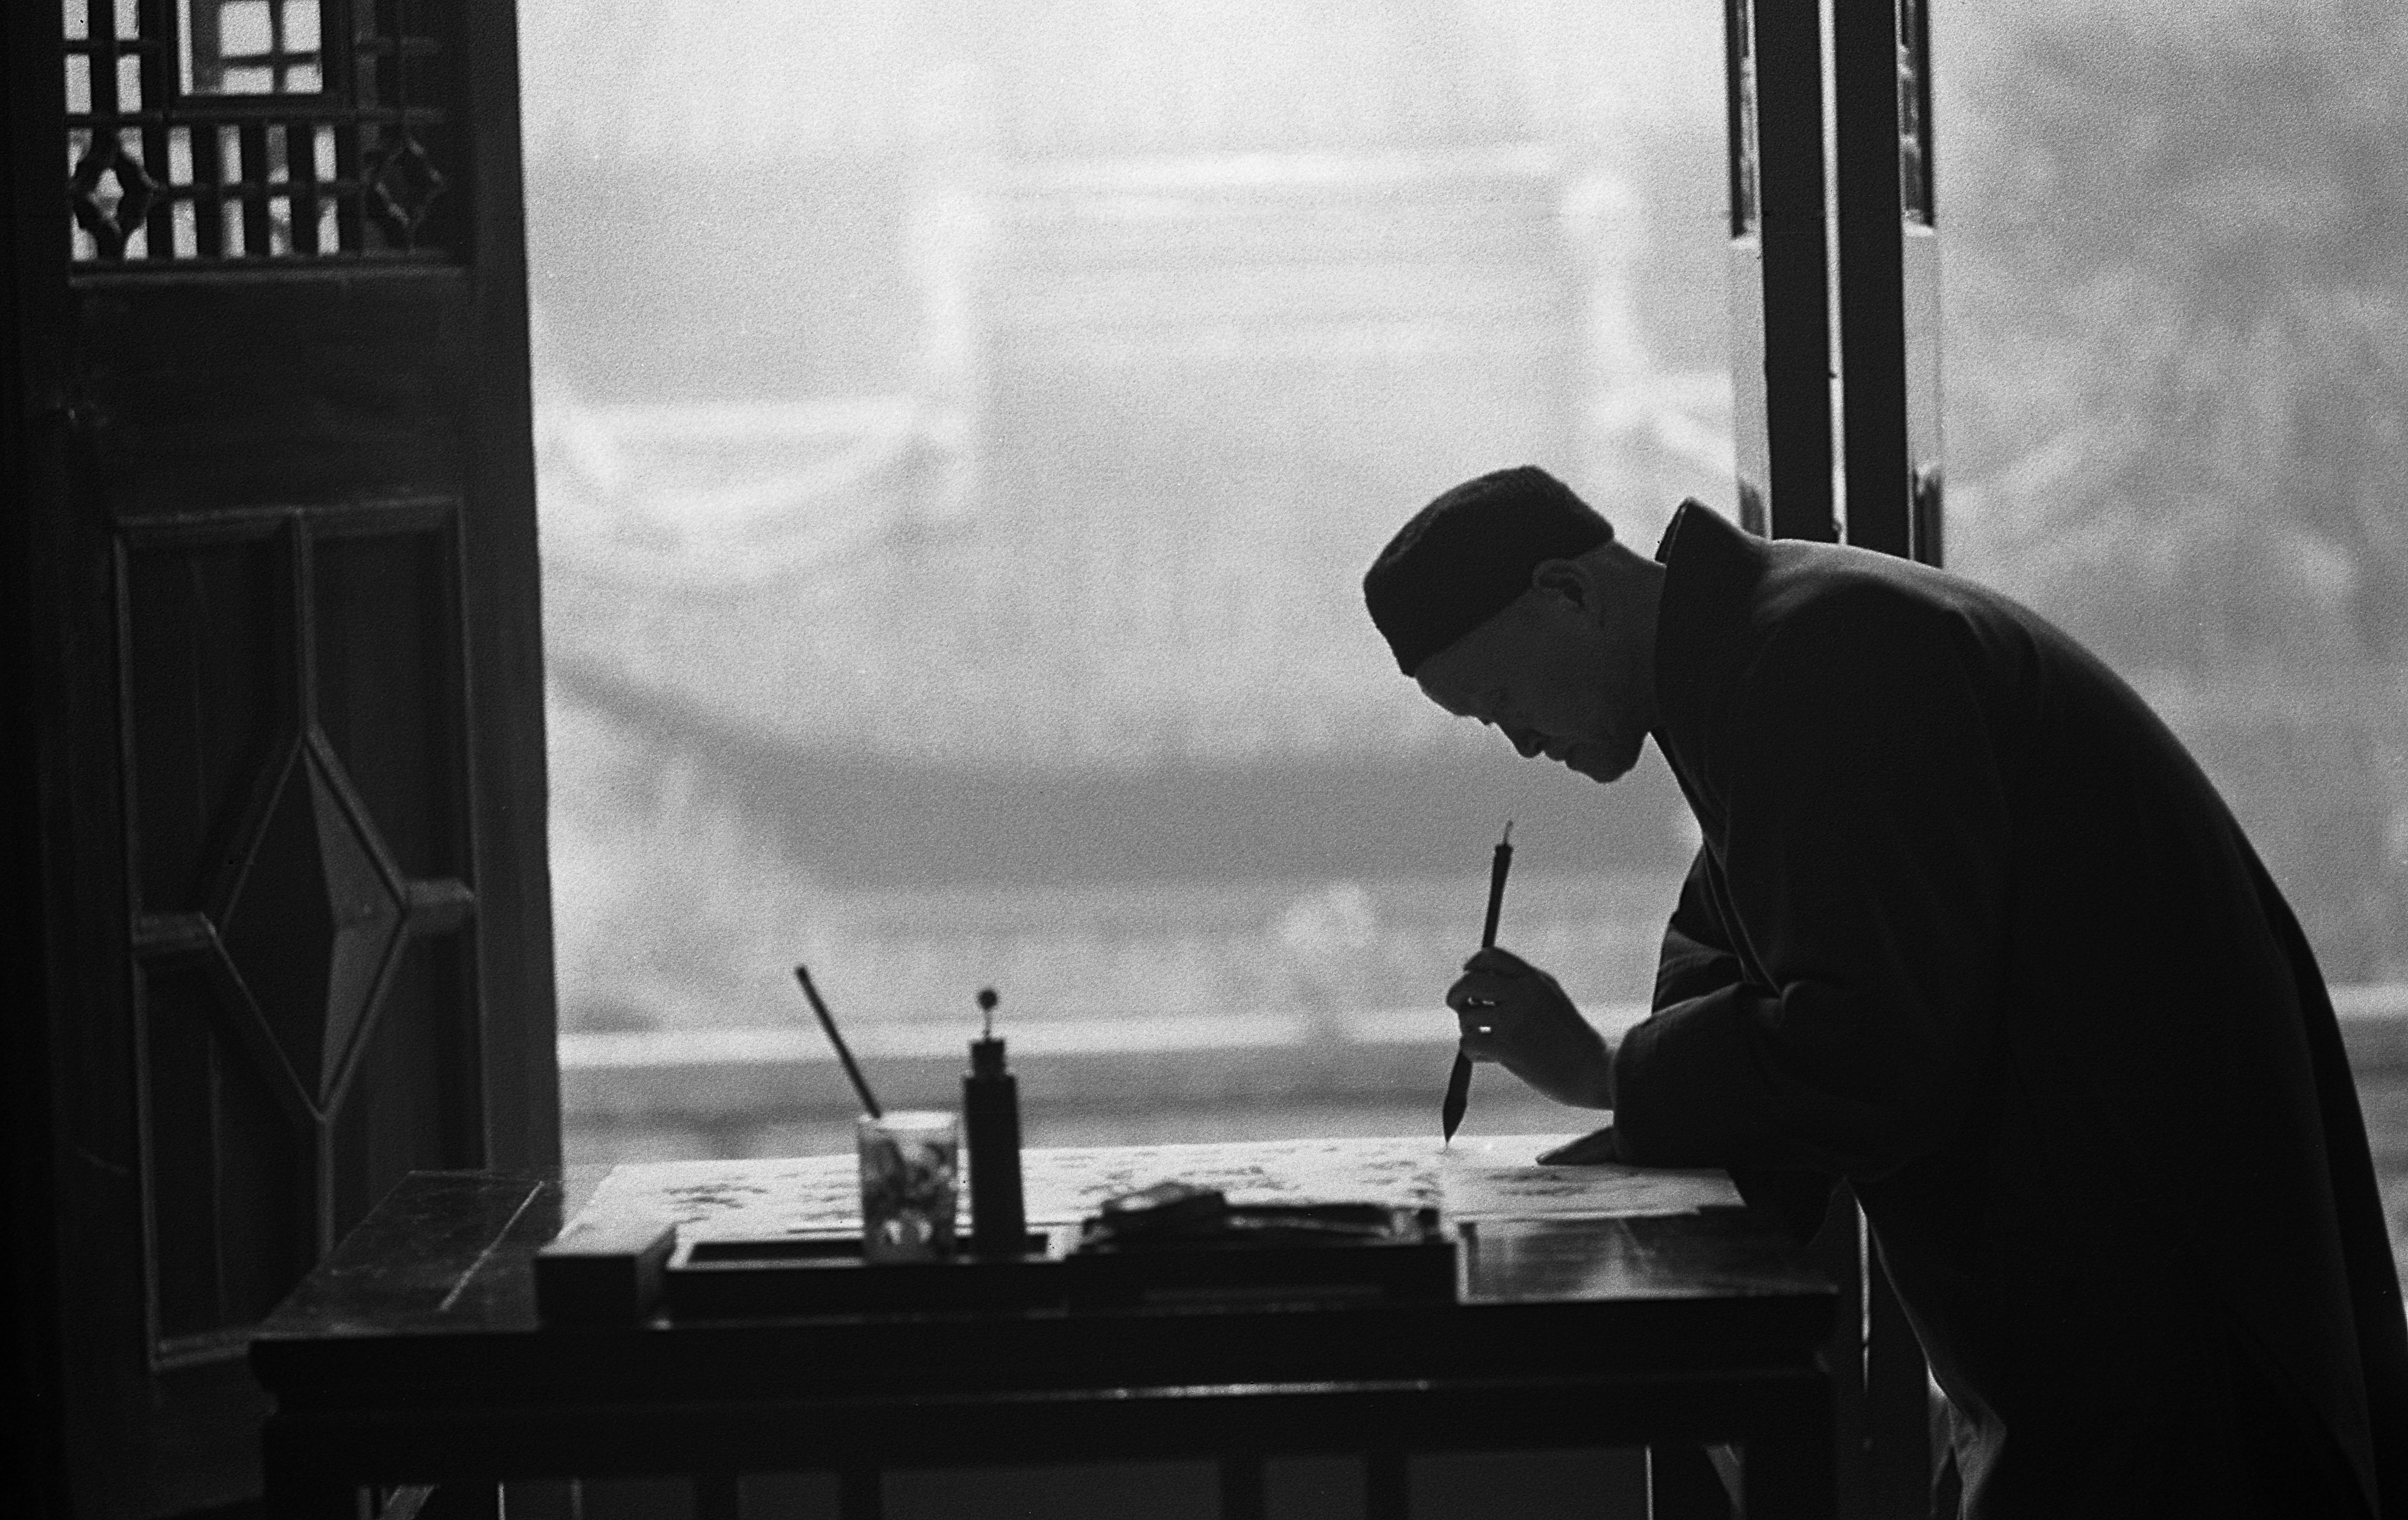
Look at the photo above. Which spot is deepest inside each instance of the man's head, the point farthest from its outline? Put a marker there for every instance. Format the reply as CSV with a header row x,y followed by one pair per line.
x,y
1509,601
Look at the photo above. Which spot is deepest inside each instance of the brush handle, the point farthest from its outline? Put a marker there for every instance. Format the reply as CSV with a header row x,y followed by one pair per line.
x,y
827,1022
1499,864
1458,1080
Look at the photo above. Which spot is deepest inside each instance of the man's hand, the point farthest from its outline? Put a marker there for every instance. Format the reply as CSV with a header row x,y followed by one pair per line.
x,y
1592,1149
1515,1014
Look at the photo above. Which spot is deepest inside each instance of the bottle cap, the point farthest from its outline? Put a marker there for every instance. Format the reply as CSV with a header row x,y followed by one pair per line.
x,y
986,1056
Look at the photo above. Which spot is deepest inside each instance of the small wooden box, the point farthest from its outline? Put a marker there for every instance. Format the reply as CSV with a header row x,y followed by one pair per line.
x,y
603,1271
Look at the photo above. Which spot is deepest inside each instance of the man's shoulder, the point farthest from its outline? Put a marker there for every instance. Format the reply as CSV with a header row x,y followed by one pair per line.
x,y
1827,593
1850,631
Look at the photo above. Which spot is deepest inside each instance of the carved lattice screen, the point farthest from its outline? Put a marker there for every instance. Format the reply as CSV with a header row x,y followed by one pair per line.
x,y
222,131
304,913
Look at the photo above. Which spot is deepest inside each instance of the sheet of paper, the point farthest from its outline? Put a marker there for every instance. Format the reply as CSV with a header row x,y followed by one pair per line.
x,y
737,1199
1499,1177
1479,1177
1066,1185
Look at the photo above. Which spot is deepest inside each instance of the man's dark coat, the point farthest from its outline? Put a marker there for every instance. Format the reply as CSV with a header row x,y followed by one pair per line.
x,y
1971,928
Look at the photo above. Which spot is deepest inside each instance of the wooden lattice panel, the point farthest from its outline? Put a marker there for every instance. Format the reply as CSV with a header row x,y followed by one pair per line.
x,y
302,929
242,131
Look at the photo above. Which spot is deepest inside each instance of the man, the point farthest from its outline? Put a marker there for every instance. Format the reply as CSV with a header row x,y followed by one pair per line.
x,y
1971,931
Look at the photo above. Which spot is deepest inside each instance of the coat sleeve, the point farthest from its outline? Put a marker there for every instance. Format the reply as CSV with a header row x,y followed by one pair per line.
x,y
1697,959
1864,863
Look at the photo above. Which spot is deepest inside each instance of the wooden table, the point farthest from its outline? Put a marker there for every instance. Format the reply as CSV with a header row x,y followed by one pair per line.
x,y
413,1356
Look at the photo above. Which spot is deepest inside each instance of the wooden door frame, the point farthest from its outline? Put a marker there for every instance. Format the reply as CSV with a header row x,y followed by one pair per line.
x,y
1888,280
33,1467
1880,422
1889,445
508,759
64,959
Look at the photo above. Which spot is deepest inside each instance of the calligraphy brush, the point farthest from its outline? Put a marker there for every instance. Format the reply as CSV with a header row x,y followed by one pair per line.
x,y
827,1022
1459,1081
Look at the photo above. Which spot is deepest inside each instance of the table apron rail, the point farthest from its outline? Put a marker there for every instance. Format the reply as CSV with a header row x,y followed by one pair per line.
x,y
390,1446
967,1354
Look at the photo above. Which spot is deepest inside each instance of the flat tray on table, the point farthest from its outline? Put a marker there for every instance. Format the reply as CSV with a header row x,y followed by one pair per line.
x,y
1267,1255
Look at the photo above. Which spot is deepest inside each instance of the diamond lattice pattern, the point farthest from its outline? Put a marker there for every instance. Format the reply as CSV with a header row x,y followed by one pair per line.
x,y
311,925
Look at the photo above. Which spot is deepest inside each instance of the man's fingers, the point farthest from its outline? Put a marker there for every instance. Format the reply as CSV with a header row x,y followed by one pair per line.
x,y
1478,989
1481,1018
1485,1019
1588,1150
1497,962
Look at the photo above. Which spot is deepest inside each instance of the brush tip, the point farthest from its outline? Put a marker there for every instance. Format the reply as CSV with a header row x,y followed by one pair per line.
x,y
988,999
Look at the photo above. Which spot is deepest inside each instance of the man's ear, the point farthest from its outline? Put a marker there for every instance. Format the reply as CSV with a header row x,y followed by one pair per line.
x,y
1569,580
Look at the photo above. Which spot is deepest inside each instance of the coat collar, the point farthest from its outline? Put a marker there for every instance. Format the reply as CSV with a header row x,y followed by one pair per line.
x,y
1711,572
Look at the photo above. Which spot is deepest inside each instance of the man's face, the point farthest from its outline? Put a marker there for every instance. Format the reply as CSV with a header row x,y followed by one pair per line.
x,y
1555,678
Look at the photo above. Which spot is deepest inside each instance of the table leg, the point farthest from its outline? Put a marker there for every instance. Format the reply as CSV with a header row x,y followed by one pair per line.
x,y
540,1498
1387,1484
858,1493
1682,1484
406,1502
462,1499
1788,1474
288,1495
1242,1487
714,1496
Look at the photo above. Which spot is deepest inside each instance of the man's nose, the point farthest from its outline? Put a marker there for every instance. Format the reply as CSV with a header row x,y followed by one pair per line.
x,y
1526,743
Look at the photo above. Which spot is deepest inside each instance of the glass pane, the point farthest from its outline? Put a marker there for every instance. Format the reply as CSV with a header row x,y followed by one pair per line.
x,y
330,237
231,171
952,579
245,28
250,47
179,171
1739,82
301,25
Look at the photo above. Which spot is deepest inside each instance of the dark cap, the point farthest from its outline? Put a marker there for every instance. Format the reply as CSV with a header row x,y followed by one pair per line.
x,y
1468,555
